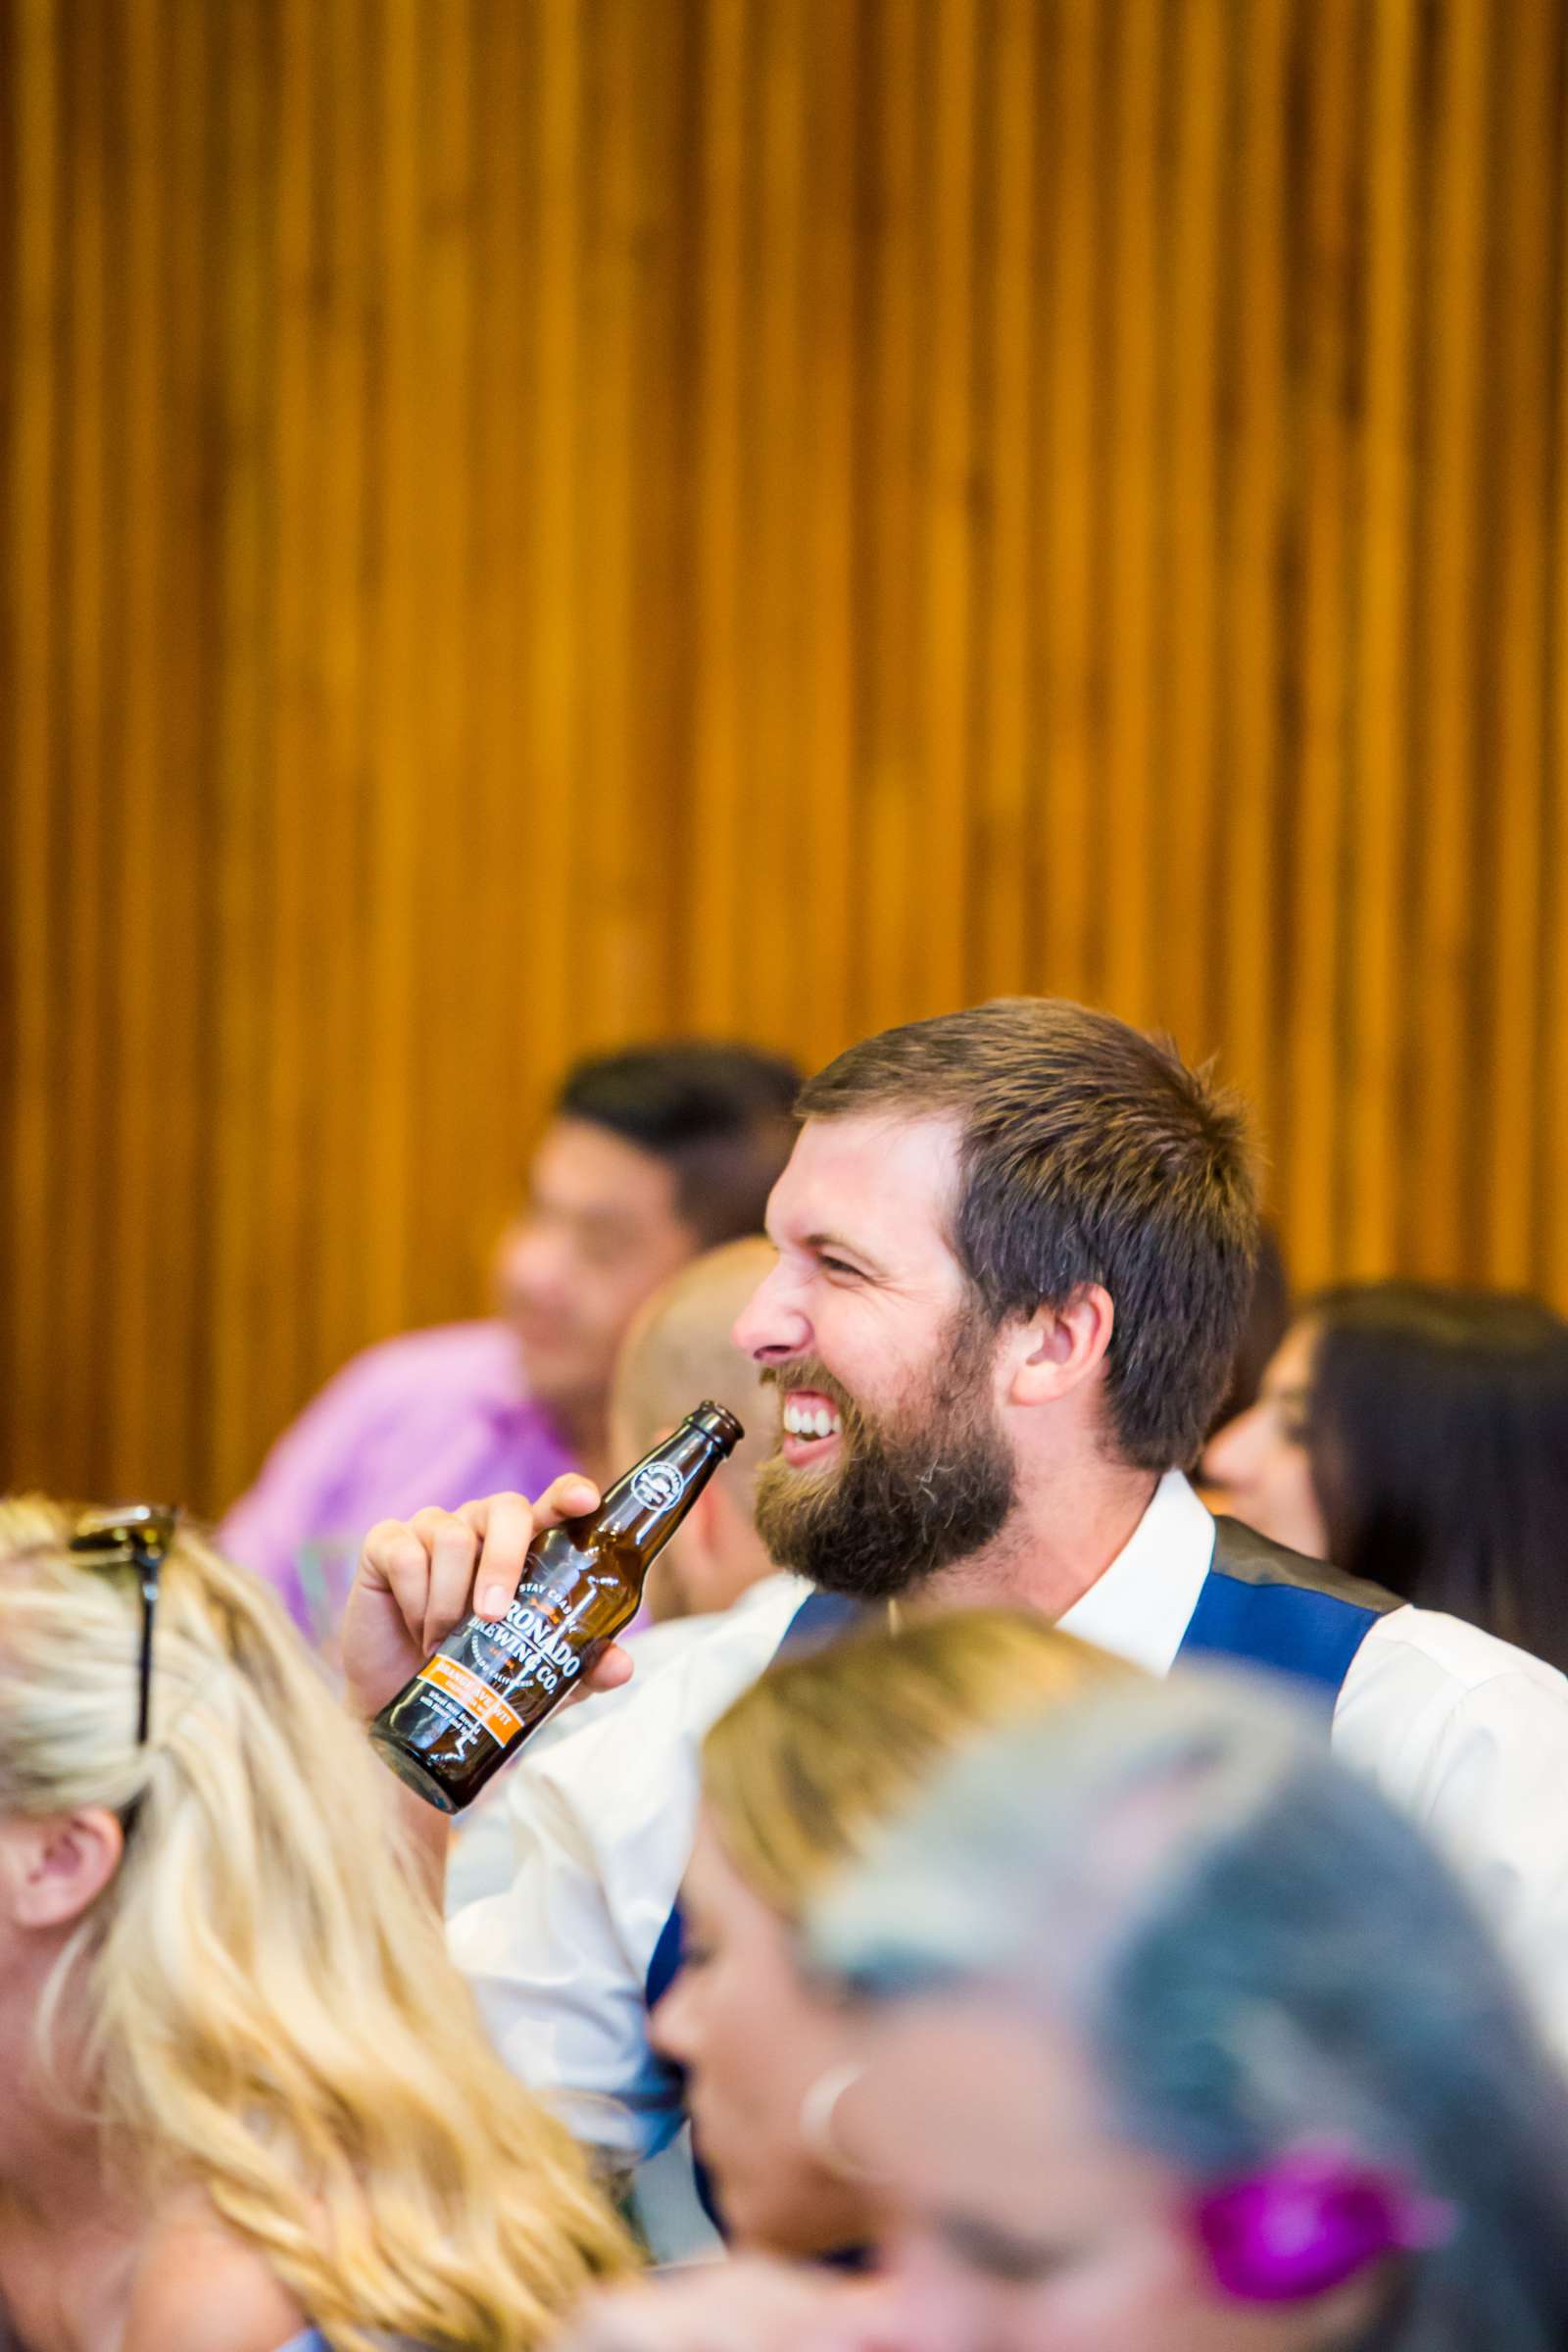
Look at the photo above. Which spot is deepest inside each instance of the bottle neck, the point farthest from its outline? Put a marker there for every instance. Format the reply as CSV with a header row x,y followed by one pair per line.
x,y
654,1497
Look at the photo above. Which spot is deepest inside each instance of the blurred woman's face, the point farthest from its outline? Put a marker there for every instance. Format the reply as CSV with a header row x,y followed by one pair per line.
x,y
1259,1461
754,2040
1023,2222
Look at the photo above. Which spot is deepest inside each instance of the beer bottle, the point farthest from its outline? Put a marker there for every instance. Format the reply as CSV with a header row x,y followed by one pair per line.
x,y
491,1681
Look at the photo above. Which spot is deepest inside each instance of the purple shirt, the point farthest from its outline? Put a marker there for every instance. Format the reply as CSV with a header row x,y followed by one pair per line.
x,y
437,1416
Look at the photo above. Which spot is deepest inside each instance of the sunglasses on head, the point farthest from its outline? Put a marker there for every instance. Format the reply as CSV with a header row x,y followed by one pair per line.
x,y
137,1534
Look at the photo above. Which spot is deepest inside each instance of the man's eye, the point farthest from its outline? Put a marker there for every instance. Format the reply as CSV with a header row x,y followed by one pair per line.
x,y
838,1266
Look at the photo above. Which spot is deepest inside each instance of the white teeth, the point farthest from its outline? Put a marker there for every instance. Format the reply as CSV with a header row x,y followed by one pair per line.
x,y
804,1420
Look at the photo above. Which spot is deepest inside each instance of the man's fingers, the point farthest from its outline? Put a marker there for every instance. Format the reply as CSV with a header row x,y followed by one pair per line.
x,y
396,1556
452,1549
507,1524
612,1667
440,1565
565,1498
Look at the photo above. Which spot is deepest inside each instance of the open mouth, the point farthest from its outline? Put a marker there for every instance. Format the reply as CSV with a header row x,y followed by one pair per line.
x,y
811,1428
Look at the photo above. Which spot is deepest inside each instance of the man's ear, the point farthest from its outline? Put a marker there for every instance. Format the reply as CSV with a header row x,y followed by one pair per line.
x,y
1060,1347
55,1868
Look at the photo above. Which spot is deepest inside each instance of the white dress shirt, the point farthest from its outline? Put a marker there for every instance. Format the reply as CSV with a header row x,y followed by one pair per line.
x,y
1461,1730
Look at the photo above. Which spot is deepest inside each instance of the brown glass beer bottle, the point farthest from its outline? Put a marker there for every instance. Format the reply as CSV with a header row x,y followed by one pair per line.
x,y
493,1681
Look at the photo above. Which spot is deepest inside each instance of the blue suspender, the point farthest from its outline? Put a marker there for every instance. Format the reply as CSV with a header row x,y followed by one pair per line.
x,y
1291,1629
818,1618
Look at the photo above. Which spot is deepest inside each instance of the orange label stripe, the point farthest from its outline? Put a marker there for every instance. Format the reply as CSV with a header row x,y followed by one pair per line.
x,y
476,1697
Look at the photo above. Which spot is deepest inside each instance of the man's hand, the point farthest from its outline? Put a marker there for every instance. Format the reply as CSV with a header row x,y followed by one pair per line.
x,y
417,1578
741,2306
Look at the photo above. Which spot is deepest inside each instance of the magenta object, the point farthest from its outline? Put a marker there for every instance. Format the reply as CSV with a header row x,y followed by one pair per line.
x,y
1310,2222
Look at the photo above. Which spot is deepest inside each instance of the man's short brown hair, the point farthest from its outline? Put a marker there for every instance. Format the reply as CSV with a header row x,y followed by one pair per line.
x,y
1088,1154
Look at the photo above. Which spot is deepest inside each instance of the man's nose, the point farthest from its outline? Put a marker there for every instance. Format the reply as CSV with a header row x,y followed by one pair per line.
x,y
772,1326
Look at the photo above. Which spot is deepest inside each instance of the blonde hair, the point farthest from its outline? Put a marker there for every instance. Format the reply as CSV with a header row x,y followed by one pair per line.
x,y
812,1760
271,2012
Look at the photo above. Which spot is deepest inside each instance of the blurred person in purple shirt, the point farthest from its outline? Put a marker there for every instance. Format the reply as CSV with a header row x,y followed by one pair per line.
x,y
652,1155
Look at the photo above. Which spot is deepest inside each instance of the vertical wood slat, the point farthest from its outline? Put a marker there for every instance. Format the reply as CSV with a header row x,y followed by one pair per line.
x,y
1314,1200
397,938
1449,645
244,733
80,975
1380,725
1066,564
1130,401
712,943
535,525
940,907
1245,858
503,596
550,953
176,807
1004,685
1185,582
446,1073
1523,259
1554,1273
830,495
778,811
336,971
140,1406
612,401
295,462
890,875
34,895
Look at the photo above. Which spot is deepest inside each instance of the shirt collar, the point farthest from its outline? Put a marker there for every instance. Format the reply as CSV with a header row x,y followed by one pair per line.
x,y
1139,1608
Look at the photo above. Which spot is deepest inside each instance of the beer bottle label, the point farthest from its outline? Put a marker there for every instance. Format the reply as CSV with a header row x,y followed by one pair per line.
x,y
500,1676
491,1682
458,1696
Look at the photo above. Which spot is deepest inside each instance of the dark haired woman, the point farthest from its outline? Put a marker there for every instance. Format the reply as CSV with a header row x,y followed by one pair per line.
x,y
1418,1436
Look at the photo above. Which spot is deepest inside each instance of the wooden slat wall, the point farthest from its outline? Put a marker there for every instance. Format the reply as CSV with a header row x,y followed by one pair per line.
x,y
533,520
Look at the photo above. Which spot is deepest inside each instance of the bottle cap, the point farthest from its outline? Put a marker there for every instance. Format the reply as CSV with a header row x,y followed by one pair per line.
x,y
718,1424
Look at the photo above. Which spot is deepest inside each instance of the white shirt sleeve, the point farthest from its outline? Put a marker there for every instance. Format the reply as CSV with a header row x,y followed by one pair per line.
x,y
602,1825
1471,1737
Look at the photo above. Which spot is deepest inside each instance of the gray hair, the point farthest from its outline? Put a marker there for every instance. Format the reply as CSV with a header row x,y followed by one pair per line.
x,y
1256,1951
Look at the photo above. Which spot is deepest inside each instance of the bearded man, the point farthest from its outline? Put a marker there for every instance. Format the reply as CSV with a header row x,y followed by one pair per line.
x,y
1014,1251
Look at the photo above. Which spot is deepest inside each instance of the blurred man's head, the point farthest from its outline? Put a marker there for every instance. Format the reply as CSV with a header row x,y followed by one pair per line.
x,y
1014,1247
652,1155
680,1349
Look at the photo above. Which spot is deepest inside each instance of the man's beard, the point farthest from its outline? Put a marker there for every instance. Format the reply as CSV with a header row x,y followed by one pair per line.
x,y
908,1497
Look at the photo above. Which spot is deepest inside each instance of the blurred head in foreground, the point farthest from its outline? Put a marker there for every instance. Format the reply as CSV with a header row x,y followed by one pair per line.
x,y
799,1779
1417,1436
1179,2039
219,1990
679,1351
